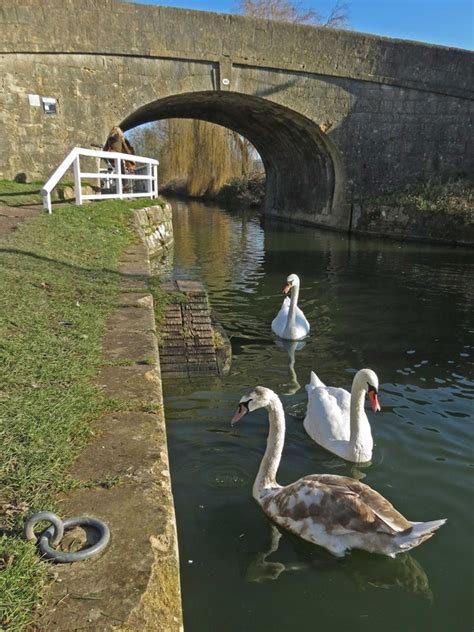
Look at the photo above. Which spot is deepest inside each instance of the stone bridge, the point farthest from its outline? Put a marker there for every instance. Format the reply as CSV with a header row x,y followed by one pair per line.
x,y
335,115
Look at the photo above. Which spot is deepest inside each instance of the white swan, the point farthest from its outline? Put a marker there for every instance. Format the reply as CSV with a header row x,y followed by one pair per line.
x,y
336,512
290,323
336,419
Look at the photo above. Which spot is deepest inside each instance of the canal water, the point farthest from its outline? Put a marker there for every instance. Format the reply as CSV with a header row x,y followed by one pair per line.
x,y
405,310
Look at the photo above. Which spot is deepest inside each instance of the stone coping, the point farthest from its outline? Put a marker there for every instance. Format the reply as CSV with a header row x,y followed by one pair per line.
x,y
168,32
134,585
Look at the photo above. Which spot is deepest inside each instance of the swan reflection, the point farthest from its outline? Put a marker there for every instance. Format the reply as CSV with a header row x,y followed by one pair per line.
x,y
257,569
365,569
291,347
402,571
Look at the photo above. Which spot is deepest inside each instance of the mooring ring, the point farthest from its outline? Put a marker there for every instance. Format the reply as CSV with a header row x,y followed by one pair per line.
x,y
63,556
56,531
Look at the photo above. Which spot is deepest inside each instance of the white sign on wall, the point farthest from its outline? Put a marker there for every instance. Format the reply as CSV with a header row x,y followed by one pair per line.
x,y
34,100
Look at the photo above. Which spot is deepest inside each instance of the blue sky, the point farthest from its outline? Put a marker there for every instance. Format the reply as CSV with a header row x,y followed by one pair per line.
x,y
443,22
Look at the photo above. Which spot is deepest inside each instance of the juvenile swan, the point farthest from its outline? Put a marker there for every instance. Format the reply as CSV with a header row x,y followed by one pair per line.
x,y
337,420
290,323
336,512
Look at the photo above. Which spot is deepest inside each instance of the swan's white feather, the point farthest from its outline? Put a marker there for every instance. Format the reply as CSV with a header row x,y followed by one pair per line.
x,y
327,422
279,324
315,381
341,513
290,323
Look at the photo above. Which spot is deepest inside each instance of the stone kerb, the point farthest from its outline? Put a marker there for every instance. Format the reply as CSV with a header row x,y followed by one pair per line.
x,y
134,585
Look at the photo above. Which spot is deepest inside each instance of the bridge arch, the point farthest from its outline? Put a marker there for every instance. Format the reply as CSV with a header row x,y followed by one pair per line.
x,y
304,174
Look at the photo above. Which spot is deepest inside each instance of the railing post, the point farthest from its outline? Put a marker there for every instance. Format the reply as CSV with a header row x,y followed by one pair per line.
x,y
149,182
155,181
118,170
77,180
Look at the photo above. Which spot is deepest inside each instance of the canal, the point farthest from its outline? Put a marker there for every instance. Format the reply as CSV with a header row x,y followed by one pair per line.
x,y
405,310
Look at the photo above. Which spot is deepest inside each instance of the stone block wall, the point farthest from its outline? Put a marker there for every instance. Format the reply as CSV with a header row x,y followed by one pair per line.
x,y
412,224
155,226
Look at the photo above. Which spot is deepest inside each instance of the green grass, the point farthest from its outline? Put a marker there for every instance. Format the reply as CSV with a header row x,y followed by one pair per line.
x,y
453,196
58,282
21,578
19,194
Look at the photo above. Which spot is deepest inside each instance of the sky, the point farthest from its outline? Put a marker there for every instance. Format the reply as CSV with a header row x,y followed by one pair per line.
x,y
442,22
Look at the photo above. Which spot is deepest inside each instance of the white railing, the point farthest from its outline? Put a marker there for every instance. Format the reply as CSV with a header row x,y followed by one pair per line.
x,y
114,176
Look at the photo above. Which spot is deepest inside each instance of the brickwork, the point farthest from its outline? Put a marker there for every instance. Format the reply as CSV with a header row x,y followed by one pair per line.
x,y
186,341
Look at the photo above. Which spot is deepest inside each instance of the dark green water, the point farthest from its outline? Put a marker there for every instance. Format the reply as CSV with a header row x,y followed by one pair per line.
x,y
404,310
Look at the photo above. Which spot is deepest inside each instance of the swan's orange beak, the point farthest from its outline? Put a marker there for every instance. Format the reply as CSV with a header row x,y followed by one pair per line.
x,y
374,401
241,410
287,288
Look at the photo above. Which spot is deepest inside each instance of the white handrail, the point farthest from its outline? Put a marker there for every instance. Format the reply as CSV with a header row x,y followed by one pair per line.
x,y
73,158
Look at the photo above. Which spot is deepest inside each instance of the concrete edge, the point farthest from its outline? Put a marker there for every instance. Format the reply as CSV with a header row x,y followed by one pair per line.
x,y
160,600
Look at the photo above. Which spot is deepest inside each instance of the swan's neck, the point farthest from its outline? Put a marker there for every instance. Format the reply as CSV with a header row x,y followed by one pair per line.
x,y
295,291
266,477
357,410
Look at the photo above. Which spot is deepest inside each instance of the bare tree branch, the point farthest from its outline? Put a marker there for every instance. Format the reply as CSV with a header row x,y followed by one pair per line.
x,y
338,17
293,11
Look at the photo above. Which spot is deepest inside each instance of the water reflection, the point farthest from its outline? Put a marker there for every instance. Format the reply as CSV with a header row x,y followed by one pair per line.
x,y
255,568
364,569
405,310
225,251
291,347
403,571
162,263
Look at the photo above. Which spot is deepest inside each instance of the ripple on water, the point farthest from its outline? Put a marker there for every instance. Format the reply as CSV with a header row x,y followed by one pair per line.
x,y
226,476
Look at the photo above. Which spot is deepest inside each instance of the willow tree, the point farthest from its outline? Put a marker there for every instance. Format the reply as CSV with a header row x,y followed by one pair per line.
x,y
197,156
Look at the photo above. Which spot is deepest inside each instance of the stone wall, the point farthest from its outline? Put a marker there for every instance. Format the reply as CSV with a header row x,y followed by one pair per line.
x,y
405,223
154,224
335,115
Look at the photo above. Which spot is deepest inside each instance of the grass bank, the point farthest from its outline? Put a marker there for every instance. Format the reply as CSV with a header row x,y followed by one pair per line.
x,y
19,194
59,277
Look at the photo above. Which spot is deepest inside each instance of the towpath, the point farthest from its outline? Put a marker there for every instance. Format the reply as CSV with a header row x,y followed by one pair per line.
x,y
12,216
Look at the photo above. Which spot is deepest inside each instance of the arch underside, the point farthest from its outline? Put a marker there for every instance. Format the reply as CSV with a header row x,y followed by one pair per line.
x,y
300,174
